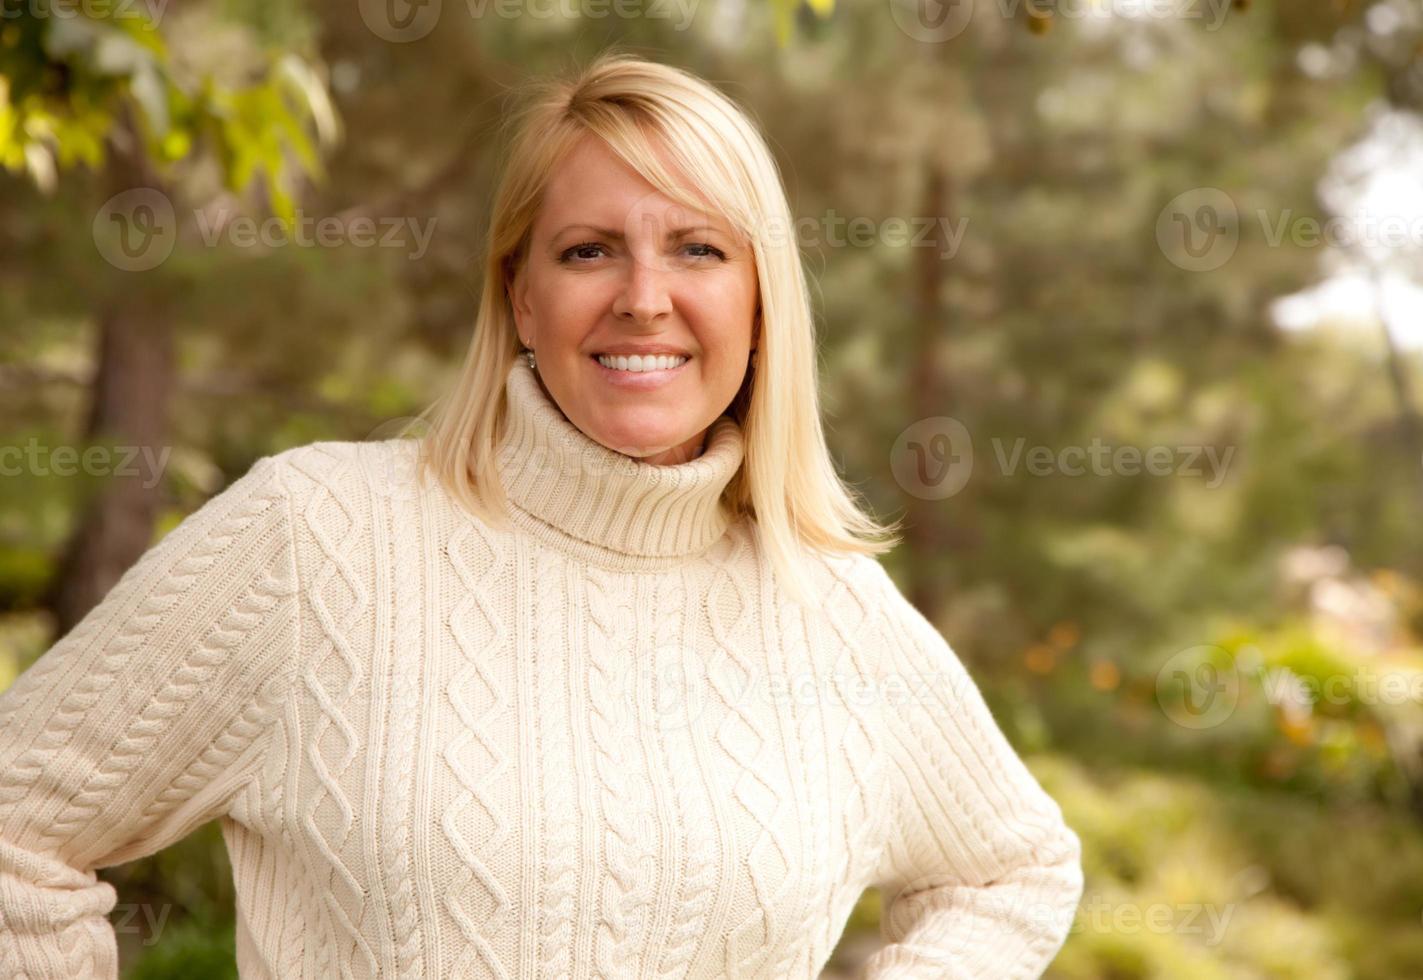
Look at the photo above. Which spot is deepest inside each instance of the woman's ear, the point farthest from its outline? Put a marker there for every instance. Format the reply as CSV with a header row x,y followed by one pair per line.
x,y
514,287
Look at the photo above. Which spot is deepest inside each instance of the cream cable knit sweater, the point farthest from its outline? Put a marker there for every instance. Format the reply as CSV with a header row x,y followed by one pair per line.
x,y
600,744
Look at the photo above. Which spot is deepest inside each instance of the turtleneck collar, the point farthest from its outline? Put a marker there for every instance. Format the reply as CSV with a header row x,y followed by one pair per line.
x,y
552,470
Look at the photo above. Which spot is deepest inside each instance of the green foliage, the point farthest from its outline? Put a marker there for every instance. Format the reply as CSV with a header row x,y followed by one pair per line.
x,y
1243,882
66,81
192,949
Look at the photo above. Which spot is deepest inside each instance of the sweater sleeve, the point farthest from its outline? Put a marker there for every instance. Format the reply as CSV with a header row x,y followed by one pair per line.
x,y
142,723
980,875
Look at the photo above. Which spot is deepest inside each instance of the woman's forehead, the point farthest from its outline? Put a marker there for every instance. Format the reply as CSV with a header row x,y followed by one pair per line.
x,y
595,188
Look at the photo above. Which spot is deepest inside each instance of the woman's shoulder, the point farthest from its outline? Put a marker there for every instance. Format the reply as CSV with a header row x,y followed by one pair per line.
x,y
847,584
386,467
862,574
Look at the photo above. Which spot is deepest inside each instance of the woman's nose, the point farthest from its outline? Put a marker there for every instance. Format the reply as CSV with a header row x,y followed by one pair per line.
x,y
645,293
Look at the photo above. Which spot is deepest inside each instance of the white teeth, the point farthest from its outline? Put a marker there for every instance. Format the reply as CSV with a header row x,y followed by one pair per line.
x,y
640,363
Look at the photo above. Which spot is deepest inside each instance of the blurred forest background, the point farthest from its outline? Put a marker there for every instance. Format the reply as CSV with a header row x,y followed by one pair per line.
x,y
1122,309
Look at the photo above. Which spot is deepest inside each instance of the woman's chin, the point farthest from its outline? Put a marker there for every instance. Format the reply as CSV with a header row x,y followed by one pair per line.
x,y
642,444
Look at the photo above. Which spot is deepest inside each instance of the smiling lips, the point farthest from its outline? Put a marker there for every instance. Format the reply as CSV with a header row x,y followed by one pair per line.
x,y
641,363
640,372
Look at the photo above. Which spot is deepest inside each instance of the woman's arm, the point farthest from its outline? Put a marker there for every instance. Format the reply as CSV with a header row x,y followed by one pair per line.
x,y
142,723
980,875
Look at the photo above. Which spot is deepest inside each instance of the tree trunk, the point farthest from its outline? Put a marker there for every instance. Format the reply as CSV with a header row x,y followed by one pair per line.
x,y
926,527
130,407
133,381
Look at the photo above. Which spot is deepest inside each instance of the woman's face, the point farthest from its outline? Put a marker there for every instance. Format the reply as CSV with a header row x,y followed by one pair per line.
x,y
615,268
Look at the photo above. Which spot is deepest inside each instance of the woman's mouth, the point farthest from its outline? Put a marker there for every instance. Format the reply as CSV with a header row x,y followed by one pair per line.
x,y
640,371
641,364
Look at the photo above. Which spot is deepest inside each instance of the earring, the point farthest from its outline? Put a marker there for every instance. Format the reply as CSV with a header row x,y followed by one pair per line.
x,y
529,359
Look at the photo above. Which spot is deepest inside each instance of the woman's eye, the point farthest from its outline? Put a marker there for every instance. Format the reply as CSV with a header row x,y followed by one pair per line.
x,y
579,250
589,250
711,250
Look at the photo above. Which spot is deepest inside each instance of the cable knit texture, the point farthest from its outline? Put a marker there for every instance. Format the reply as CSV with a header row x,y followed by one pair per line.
x,y
598,743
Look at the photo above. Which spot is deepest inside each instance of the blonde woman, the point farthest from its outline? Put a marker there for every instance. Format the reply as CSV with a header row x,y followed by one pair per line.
x,y
599,677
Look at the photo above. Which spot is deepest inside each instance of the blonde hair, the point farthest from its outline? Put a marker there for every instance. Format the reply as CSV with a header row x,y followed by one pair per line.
x,y
787,482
